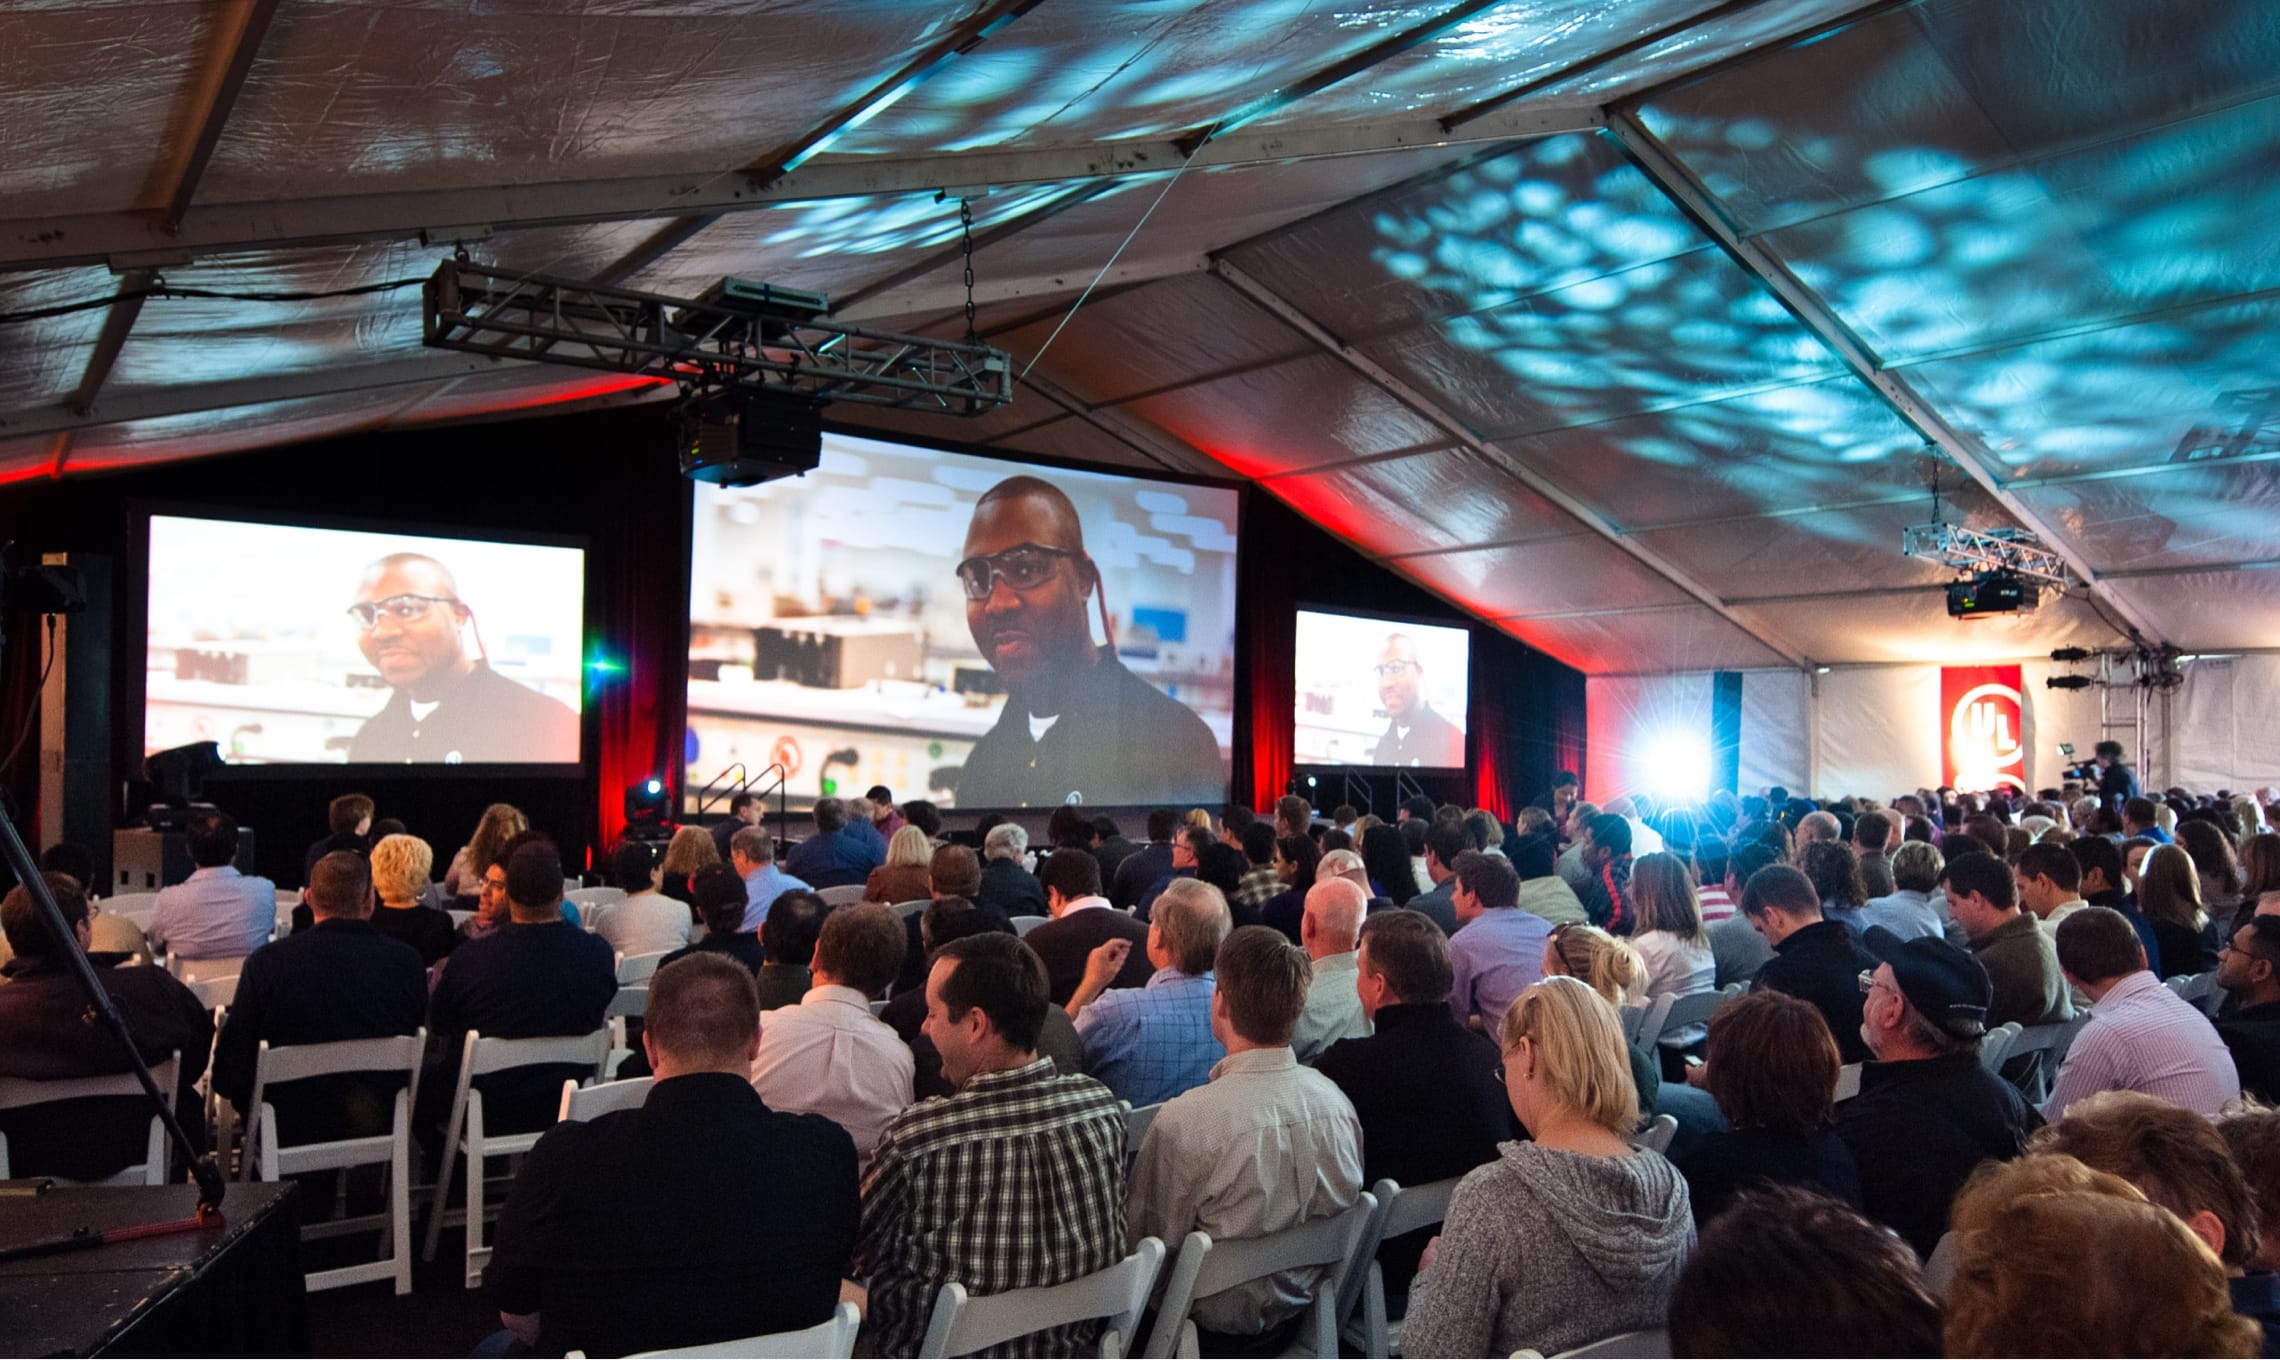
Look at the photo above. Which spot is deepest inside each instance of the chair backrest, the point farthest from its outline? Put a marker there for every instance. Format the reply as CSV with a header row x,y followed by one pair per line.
x,y
136,907
1647,1345
1995,1045
963,1325
1698,1008
1400,1209
212,992
637,969
1136,1124
1022,925
2197,988
202,970
18,1093
1656,1136
841,895
396,1053
1205,1267
627,1001
912,907
878,1008
581,1103
594,897
1848,1081
484,1056
460,918
832,1340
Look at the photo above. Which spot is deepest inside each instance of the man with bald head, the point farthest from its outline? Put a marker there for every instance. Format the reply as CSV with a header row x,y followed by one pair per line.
x,y
1415,735
1075,720
1331,932
444,706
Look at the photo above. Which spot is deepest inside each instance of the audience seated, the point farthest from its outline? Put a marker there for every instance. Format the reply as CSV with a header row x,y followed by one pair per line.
x,y
744,809
535,976
1607,858
954,918
1107,844
1771,1064
1265,1145
1444,843
216,913
1150,1043
2020,958
690,850
500,823
702,1216
2249,971
1791,1272
904,876
1330,934
2050,884
1143,866
752,854
1260,882
1015,1181
843,849
2251,1131
1007,885
1423,1086
829,1055
400,867
1298,862
1835,875
2056,1259
1573,1235
1907,909
1498,950
2140,1036
645,921
723,903
954,871
2179,1161
1385,858
1736,946
1188,846
2169,893
51,1034
1083,920
1669,936
340,979
2105,884
1612,968
886,817
1927,1111
108,932
1819,961
349,822
1872,838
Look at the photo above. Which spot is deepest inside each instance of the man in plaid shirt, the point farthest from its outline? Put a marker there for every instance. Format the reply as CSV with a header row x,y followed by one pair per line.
x,y
1016,1181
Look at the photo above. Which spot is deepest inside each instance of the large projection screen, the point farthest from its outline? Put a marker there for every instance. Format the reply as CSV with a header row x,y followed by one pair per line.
x,y
289,644
1376,690
832,632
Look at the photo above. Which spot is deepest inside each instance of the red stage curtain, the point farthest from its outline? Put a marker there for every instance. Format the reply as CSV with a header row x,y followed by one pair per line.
x,y
638,660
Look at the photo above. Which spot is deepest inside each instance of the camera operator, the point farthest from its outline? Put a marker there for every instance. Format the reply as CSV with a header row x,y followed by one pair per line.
x,y
2117,782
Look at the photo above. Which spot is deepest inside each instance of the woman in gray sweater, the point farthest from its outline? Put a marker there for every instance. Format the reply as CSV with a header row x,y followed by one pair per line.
x,y
1569,1238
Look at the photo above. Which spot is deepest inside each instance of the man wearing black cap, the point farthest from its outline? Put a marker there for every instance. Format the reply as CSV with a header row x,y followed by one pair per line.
x,y
1927,1112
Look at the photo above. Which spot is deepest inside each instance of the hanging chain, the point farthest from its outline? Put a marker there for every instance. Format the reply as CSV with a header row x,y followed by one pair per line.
x,y
966,231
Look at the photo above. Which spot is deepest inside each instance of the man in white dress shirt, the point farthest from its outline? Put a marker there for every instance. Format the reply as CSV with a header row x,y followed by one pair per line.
x,y
2141,1036
216,913
829,1055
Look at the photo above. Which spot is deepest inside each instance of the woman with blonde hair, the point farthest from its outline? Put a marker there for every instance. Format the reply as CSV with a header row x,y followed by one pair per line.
x,y
400,867
690,851
2056,1259
1613,969
1572,1235
907,874
500,823
2169,893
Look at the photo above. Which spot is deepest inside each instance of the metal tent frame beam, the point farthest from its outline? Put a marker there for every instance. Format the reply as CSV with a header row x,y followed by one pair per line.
x,y
1400,390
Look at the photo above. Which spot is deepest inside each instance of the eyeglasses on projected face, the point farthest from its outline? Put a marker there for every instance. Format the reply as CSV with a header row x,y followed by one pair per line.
x,y
402,608
1024,567
1388,669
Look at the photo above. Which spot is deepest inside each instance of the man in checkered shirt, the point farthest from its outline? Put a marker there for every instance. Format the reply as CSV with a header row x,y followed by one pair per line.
x,y
1014,1182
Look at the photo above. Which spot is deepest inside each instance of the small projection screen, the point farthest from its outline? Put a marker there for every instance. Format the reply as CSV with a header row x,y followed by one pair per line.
x,y
1375,690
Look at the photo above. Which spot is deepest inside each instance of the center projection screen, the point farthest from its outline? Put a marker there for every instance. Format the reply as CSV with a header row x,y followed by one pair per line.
x,y
1379,691
938,623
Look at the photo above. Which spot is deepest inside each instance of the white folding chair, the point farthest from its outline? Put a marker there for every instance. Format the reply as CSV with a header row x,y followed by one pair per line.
x,y
627,1003
1653,1344
20,1093
1696,1008
459,918
272,1160
1136,1124
1205,1268
913,907
2200,989
139,908
1656,1136
878,1008
833,1340
963,1324
214,991
1022,925
204,970
841,895
593,897
465,1135
1995,1046
1399,1210
583,1102
2052,1041
635,970
1848,1081
1939,1267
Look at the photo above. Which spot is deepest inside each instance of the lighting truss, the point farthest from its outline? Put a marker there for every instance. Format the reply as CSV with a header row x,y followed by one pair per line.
x,y
705,345
1975,550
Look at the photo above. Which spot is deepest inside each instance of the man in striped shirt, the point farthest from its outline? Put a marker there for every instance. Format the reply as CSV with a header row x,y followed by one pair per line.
x,y
1014,1182
2141,1036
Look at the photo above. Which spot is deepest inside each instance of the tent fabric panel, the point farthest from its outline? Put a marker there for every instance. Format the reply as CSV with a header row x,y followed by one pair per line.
x,y
91,97
2213,513
1908,625
1441,498
2211,611
1553,576
1077,439
1289,417
42,362
1848,548
1819,444
1729,35
1146,339
203,434
2222,722
485,396
1680,638
429,94
1777,715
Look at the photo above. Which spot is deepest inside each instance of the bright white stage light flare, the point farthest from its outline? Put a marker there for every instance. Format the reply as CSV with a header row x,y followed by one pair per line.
x,y
1678,765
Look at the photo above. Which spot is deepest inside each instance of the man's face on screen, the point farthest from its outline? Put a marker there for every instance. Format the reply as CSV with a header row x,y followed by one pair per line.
x,y
1397,674
410,652
1025,631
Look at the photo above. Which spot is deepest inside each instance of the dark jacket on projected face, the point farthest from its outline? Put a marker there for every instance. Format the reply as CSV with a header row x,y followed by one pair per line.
x,y
485,717
1118,741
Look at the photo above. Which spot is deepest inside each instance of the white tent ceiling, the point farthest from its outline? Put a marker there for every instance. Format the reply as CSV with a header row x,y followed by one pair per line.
x,y
1640,327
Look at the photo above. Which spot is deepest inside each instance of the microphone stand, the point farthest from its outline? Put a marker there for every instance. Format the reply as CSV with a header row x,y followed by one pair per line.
x,y
203,1169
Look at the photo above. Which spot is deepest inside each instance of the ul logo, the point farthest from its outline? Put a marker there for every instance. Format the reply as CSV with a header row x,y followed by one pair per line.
x,y
1984,732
